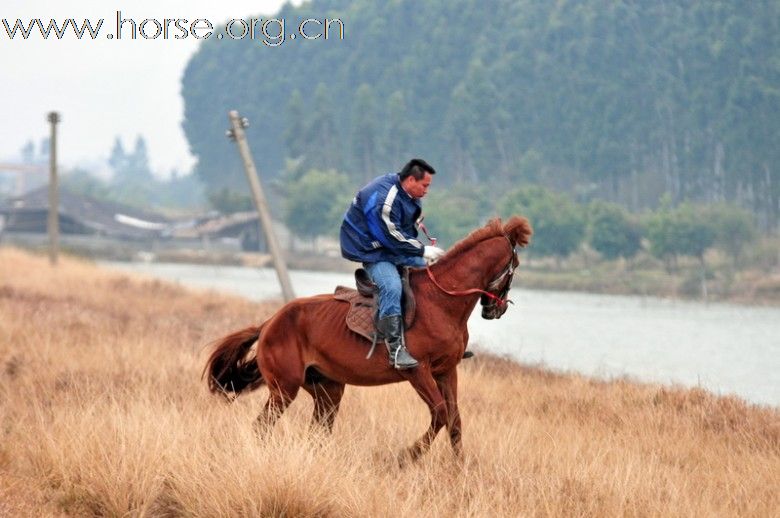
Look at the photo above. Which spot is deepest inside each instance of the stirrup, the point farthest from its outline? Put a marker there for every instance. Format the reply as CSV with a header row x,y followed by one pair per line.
x,y
407,361
392,330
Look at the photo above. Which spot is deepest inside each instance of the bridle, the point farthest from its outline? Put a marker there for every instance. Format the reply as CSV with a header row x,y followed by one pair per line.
x,y
503,279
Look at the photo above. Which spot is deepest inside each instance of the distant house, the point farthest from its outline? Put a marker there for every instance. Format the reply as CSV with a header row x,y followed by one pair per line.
x,y
79,214
243,226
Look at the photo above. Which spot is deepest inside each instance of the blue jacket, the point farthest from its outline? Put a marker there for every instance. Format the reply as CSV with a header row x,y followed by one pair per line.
x,y
381,224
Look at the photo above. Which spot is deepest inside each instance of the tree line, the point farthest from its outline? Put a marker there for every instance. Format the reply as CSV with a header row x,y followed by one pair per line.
x,y
317,200
620,101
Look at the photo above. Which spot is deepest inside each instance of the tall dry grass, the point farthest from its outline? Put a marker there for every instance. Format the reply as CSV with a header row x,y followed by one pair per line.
x,y
102,412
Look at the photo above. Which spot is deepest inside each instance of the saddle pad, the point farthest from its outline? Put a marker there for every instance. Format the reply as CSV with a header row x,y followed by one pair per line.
x,y
360,317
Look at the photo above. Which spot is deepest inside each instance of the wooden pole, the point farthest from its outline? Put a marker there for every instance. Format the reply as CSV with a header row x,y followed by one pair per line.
x,y
53,224
237,133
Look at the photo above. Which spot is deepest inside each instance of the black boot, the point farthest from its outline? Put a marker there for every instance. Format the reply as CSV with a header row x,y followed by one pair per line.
x,y
392,329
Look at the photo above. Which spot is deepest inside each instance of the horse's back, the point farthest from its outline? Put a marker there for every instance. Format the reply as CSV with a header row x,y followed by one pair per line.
x,y
301,316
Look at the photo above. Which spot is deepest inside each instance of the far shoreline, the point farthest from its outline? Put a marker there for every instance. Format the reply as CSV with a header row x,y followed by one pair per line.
x,y
578,275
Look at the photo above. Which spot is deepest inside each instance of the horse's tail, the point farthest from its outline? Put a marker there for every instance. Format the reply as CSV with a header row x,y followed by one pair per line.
x,y
232,366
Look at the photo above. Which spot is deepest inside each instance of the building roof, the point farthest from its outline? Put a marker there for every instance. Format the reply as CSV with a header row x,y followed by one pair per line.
x,y
93,215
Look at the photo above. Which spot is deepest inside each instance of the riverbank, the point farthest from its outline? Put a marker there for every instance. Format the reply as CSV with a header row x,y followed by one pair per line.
x,y
758,286
751,287
102,369
645,277
756,283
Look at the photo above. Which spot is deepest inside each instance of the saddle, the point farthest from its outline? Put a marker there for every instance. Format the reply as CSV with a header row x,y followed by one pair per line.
x,y
361,316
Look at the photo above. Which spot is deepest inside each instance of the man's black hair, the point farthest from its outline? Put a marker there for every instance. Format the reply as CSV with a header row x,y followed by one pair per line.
x,y
417,167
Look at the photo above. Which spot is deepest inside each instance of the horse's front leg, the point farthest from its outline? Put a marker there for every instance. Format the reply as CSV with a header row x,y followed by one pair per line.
x,y
423,382
448,386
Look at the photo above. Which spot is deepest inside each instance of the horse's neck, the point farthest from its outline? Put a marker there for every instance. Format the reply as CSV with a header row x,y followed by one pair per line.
x,y
474,268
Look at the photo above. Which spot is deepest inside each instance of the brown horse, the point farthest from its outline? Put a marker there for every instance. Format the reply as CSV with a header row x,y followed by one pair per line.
x,y
306,344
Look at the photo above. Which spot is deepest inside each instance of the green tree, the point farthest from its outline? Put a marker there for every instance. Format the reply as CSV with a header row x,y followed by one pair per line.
x,y
364,133
734,229
456,127
132,182
130,168
450,214
295,126
323,142
695,232
118,158
612,232
685,230
528,167
400,131
181,191
661,234
316,202
559,223
138,161
228,201
81,181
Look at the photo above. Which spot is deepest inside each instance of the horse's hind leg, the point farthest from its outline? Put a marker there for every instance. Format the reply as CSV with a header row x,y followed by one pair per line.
x,y
279,398
279,358
423,382
327,397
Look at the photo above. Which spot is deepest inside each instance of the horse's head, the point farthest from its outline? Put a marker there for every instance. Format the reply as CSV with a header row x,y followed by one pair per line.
x,y
492,258
496,304
495,301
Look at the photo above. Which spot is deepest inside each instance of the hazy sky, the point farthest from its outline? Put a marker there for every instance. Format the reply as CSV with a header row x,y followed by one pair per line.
x,y
103,87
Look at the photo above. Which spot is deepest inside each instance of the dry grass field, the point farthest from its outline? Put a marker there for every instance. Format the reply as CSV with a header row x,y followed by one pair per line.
x,y
103,413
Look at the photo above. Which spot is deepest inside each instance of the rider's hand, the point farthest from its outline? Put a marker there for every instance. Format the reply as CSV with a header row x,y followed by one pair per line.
x,y
431,254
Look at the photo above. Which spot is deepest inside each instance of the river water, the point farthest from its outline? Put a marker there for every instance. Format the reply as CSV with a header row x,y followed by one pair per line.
x,y
724,348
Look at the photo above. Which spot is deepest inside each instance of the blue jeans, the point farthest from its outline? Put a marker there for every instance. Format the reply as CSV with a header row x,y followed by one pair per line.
x,y
385,275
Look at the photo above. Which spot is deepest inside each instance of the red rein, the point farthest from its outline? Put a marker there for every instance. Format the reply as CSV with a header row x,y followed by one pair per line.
x,y
460,293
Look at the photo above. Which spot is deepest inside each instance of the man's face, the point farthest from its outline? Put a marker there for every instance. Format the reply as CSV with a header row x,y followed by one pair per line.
x,y
417,188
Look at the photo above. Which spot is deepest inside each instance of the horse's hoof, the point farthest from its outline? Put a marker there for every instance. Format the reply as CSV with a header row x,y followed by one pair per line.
x,y
460,460
407,456
260,428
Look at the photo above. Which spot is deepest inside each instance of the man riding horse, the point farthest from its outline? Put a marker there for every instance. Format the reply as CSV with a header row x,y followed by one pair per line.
x,y
380,231
306,344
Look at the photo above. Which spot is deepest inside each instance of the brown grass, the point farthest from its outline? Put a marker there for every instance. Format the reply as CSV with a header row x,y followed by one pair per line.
x,y
102,412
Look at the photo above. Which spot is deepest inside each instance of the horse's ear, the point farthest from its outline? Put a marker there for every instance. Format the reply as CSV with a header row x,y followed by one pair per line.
x,y
519,230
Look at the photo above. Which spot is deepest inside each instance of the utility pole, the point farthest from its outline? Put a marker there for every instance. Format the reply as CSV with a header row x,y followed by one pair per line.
x,y
237,134
54,202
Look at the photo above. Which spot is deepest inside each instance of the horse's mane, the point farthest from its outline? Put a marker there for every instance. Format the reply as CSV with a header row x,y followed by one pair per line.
x,y
492,228
516,228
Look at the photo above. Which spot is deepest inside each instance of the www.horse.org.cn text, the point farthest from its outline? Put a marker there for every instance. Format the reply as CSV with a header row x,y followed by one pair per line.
x,y
270,32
